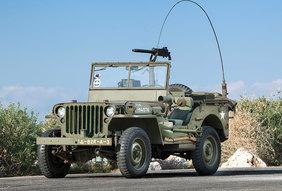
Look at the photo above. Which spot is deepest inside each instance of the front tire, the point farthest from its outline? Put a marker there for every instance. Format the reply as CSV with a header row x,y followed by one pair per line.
x,y
134,154
50,165
206,157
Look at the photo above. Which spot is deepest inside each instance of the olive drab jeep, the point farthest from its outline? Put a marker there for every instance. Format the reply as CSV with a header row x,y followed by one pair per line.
x,y
134,114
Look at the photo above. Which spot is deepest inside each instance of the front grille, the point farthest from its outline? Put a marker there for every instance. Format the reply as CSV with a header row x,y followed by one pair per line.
x,y
87,118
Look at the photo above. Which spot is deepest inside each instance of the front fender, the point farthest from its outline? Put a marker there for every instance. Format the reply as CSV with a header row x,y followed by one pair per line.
x,y
148,123
211,115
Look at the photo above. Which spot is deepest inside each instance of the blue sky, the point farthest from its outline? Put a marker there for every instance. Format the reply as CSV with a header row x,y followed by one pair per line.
x,y
46,47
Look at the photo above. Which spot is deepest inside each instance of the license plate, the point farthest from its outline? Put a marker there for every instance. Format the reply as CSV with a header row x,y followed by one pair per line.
x,y
94,141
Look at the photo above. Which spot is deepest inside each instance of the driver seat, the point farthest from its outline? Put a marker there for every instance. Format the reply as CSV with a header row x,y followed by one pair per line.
x,y
182,115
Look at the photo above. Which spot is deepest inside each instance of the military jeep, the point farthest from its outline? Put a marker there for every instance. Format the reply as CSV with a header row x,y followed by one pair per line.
x,y
132,115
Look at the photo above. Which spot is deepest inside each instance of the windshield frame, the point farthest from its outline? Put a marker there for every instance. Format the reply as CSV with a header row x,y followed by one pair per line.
x,y
106,64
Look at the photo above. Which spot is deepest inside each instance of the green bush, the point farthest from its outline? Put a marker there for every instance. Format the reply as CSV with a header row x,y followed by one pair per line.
x,y
95,168
49,124
18,132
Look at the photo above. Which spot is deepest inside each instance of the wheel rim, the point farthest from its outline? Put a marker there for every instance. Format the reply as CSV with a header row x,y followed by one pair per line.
x,y
138,153
210,151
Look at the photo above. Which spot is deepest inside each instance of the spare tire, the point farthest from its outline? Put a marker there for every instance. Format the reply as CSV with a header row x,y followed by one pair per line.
x,y
179,88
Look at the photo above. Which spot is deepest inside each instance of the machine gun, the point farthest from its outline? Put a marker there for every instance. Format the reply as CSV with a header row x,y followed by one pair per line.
x,y
155,52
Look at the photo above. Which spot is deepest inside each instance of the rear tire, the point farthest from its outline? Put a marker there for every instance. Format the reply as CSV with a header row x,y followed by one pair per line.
x,y
206,157
134,154
50,165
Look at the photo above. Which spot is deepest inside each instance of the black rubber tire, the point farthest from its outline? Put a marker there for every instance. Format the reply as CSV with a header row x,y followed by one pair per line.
x,y
198,158
126,142
50,165
179,88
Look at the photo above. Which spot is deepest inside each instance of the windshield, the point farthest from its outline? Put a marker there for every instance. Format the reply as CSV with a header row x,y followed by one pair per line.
x,y
132,76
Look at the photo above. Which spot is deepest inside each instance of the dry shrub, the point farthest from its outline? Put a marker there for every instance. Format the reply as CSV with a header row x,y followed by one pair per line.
x,y
241,127
257,127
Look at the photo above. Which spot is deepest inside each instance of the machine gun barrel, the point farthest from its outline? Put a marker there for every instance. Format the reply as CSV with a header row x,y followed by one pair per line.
x,y
145,51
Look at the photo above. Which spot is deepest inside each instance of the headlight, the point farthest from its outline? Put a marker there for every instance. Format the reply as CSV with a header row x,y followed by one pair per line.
x,y
61,111
110,111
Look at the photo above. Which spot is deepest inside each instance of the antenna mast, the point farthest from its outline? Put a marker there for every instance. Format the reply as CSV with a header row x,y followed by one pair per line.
x,y
223,85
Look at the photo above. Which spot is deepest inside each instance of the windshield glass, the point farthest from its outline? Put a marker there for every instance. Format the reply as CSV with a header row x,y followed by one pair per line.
x,y
109,76
140,76
148,76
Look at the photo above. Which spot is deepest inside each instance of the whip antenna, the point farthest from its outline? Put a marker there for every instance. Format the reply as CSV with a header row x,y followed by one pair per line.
x,y
223,85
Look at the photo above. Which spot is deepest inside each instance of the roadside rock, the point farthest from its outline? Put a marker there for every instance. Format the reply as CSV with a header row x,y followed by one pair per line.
x,y
155,166
172,162
243,158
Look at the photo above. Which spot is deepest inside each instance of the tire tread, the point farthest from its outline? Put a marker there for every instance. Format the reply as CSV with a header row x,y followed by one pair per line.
x,y
43,159
179,88
123,150
197,155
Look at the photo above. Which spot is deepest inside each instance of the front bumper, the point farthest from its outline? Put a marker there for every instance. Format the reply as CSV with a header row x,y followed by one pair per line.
x,y
74,141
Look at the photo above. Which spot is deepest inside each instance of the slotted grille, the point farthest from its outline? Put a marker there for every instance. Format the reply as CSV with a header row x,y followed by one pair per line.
x,y
88,118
